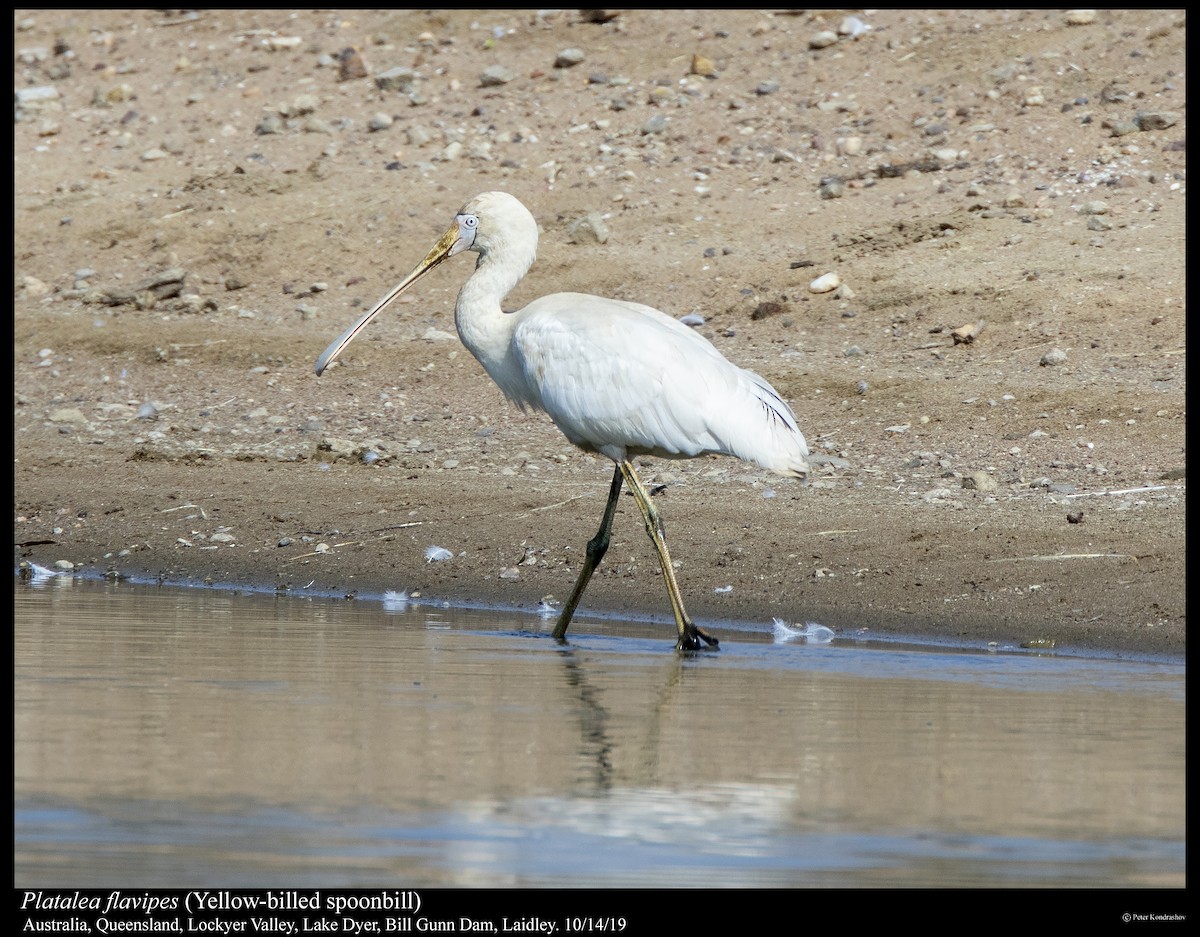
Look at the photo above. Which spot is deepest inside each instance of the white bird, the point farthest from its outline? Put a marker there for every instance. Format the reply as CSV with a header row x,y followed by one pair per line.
x,y
618,378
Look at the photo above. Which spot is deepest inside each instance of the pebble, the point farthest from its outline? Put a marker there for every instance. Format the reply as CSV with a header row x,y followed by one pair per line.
x,y
656,124
704,67
352,66
495,75
568,58
396,79
379,121
823,39
271,123
849,146
826,283
1121,127
1080,17
1155,120
979,481
832,187
588,230
34,288
36,97
282,43
1052,357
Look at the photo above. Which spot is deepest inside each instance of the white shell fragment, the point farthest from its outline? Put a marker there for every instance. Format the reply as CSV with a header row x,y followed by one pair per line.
x,y
965,334
826,283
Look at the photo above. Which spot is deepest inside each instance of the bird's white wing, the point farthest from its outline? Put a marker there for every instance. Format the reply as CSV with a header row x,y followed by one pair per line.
x,y
625,379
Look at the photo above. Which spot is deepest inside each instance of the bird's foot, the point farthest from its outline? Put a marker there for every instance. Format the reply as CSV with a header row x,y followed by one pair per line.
x,y
695,639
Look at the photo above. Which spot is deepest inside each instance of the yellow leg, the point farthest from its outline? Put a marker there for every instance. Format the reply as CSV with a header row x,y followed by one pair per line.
x,y
596,549
691,638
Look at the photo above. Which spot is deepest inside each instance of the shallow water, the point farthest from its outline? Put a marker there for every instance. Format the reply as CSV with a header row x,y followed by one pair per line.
x,y
169,737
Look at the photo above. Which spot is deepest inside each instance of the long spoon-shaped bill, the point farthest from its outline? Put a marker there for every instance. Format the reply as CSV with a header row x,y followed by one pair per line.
x,y
440,251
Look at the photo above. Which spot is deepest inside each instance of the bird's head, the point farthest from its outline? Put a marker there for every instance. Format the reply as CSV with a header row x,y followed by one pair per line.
x,y
493,225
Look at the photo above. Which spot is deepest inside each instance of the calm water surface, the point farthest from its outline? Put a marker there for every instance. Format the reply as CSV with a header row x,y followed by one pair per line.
x,y
185,737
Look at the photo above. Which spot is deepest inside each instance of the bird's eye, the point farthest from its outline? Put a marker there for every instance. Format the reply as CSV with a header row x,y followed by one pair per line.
x,y
470,221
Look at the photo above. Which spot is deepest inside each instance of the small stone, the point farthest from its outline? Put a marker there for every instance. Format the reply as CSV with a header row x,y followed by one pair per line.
x,y
1121,128
34,288
1155,120
396,79
823,39
704,67
826,283
36,97
271,123
590,229
282,43
379,122
1080,17
568,58
966,334
979,481
849,146
495,75
352,66
656,124
1053,357
1075,517
832,187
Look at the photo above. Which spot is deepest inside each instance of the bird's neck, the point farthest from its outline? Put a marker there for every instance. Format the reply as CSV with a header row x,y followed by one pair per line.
x,y
482,324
